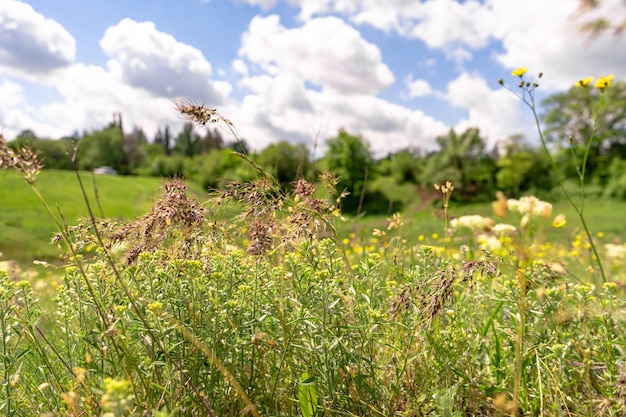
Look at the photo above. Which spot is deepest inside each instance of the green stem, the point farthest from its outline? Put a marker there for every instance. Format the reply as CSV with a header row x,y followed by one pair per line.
x,y
578,209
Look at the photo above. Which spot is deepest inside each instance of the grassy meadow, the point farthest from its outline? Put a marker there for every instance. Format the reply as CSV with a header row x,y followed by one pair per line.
x,y
26,227
261,301
257,307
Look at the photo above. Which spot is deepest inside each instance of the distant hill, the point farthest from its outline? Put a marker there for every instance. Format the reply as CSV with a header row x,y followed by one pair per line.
x,y
25,226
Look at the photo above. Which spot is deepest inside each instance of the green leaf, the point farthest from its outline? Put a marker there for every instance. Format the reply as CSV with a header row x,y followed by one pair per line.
x,y
307,395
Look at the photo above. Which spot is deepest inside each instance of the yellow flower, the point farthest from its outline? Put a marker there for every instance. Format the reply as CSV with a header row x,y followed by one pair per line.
x,y
584,82
519,72
559,221
604,82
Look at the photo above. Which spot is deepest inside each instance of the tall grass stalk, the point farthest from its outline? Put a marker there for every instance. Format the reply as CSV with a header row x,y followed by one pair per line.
x,y
528,98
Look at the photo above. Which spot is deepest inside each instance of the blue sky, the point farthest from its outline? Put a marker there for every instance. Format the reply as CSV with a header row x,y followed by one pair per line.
x,y
399,72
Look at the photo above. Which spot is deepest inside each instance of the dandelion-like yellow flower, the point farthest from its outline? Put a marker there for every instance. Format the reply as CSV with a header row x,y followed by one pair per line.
x,y
584,82
559,221
519,72
604,82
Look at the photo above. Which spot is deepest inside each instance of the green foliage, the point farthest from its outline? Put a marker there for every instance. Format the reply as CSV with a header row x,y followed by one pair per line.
x,y
26,229
188,142
570,120
307,396
523,168
285,161
103,148
306,328
269,312
616,186
348,157
462,160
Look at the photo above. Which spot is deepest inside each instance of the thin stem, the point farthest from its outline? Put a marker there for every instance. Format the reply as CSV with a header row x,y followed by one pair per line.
x,y
578,209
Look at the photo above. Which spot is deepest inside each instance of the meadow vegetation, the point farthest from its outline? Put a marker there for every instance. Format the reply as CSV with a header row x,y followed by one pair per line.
x,y
256,303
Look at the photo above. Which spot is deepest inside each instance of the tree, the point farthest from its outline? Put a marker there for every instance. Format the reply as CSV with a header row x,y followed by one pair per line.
x,y
285,161
461,159
188,142
134,153
522,168
212,140
349,158
164,138
240,146
569,122
53,153
103,147
404,166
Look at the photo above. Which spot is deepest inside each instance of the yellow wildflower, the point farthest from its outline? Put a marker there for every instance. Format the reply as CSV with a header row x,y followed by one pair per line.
x,y
604,82
519,72
584,82
559,221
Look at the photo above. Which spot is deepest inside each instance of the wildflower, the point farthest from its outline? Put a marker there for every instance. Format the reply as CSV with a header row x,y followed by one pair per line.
x,y
584,82
604,82
519,72
116,397
559,221
615,251
499,206
504,229
80,374
488,242
473,222
557,267
530,205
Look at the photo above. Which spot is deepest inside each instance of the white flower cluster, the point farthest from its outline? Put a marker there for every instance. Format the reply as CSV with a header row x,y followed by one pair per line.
x,y
489,242
530,205
615,251
473,222
503,229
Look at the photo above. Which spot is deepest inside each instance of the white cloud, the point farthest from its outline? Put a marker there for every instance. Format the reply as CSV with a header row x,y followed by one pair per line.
x,y
155,61
418,88
282,107
240,67
542,35
554,43
30,44
325,51
498,113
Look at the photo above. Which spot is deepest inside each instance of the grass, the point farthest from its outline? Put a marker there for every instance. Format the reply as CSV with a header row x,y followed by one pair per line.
x,y
269,311
257,314
603,216
25,226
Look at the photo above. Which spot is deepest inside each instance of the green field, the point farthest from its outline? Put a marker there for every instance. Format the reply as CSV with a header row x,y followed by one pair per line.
x,y
263,317
25,226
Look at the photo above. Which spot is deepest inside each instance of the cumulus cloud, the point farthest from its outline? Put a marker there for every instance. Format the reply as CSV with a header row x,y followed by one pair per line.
x,y
418,88
30,44
282,107
325,51
542,35
155,61
554,44
498,113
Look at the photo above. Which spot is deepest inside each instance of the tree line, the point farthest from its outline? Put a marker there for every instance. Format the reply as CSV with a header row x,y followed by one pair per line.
x,y
513,166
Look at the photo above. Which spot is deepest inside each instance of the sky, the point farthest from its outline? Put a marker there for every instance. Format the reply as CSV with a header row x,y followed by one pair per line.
x,y
397,72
